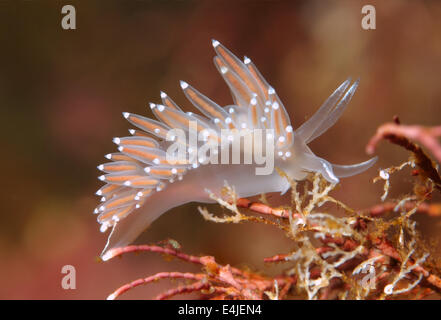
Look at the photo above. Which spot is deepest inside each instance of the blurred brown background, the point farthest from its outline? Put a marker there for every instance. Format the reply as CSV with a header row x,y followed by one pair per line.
x,y
62,93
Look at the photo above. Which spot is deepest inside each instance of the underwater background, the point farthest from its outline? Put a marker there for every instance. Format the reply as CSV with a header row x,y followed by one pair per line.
x,y
62,93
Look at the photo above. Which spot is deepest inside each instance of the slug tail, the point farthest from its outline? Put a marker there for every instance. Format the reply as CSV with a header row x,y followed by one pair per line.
x,y
127,230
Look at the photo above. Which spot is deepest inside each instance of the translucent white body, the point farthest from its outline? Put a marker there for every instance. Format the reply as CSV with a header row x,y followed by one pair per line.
x,y
141,185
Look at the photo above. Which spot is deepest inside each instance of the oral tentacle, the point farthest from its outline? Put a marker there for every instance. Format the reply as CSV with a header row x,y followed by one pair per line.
x,y
343,171
312,163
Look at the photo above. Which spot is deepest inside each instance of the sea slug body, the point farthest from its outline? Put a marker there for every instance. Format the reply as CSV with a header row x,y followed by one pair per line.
x,y
141,183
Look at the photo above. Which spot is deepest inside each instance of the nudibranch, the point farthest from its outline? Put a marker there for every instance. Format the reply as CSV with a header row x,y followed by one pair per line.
x,y
142,182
